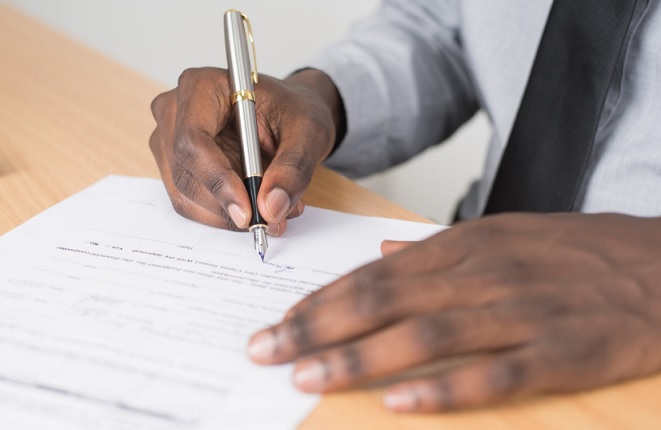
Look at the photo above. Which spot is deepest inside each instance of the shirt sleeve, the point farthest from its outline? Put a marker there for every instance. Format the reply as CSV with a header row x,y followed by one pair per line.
x,y
404,82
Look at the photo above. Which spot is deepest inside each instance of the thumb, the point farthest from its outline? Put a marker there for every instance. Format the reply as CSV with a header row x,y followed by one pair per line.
x,y
289,174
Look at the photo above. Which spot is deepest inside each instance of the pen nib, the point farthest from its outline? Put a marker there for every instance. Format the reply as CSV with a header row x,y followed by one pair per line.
x,y
261,245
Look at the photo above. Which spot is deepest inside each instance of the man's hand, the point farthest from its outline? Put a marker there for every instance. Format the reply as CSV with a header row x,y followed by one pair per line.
x,y
554,303
198,153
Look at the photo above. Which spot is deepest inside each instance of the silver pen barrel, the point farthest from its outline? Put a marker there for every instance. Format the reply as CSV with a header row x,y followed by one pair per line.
x,y
241,79
243,93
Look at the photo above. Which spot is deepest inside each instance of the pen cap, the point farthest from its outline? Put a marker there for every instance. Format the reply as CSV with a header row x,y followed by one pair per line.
x,y
238,56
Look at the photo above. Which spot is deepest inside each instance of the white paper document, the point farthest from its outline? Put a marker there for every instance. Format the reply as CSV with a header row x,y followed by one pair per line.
x,y
116,313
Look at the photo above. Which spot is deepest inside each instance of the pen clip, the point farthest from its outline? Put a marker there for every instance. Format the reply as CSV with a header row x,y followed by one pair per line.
x,y
253,73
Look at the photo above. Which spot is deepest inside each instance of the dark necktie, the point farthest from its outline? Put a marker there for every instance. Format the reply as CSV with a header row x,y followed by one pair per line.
x,y
581,49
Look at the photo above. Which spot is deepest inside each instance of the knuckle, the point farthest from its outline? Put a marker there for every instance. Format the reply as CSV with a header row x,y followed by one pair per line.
x,y
183,147
508,376
209,78
313,300
353,362
185,182
188,76
216,184
435,333
372,302
158,104
298,328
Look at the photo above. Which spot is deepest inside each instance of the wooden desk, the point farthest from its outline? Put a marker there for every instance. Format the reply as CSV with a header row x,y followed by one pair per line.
x,y
69,117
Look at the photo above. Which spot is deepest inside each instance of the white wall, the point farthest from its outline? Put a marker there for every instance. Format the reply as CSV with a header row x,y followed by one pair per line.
x,y
160,38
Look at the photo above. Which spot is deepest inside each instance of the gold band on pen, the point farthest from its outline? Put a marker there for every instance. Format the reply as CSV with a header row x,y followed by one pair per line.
x,y
243,95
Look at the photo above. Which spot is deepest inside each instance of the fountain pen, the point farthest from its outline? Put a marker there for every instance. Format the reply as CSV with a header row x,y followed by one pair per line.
x,y
241,78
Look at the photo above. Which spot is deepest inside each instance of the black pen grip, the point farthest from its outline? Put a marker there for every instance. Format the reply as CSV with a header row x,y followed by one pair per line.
x,y
252,186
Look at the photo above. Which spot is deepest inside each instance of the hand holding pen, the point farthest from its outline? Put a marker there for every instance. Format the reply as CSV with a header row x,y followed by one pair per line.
x,y
197,147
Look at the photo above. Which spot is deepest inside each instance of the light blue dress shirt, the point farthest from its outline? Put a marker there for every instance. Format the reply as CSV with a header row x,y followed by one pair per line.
x,y
418,69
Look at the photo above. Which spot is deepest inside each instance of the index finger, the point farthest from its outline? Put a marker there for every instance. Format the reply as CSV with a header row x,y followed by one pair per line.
x,y
420,258
203,110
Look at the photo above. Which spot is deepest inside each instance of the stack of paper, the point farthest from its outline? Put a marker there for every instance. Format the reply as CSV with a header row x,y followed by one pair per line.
x,y
117,313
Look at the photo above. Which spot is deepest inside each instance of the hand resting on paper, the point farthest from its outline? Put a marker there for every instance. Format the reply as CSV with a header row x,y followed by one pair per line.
x,y
196,148
551,303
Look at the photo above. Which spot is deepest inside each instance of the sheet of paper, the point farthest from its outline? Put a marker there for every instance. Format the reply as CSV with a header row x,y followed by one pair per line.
x,y
116,313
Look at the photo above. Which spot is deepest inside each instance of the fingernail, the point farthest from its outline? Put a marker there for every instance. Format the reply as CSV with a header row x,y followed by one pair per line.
x,y
298,210
277,203
238,215
400,400
311,376
262,347
273,231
